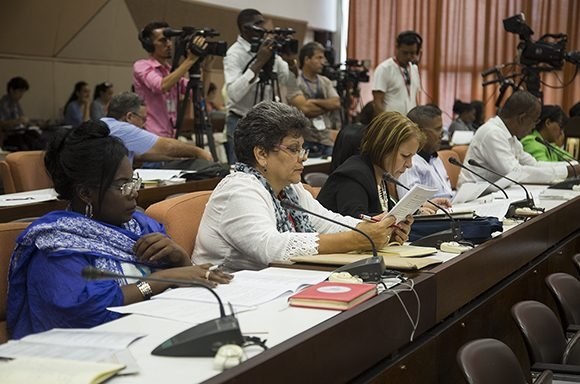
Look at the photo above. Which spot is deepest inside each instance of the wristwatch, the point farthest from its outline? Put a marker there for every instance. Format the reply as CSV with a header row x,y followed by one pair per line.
x,y
145,289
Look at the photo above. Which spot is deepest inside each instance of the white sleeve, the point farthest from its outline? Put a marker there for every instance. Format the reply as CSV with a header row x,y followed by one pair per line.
x,y
238,82
380,79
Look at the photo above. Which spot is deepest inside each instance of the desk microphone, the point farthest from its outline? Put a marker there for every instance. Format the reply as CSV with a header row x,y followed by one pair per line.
x,y
454,161
202,340
370,269
553,149
528,202
434,239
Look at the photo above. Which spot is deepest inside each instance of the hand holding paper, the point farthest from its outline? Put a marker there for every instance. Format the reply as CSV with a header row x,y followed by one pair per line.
x,y
411,202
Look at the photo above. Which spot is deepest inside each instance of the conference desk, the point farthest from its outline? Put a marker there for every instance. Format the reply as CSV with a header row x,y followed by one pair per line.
x,y
463,299
147,196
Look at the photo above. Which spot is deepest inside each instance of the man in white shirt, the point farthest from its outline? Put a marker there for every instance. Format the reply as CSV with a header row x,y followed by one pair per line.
x,y
242,68
496,146
427,169
396,80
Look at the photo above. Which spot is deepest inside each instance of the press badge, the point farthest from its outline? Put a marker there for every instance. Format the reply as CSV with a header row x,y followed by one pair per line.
x,y
318,123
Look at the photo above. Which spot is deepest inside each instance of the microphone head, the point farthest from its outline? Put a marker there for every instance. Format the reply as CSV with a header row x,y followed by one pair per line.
x,y
454,161
289,205
540,140
92,273
473,162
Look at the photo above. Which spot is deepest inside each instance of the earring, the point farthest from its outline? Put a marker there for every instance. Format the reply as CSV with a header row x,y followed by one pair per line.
x,y
89,210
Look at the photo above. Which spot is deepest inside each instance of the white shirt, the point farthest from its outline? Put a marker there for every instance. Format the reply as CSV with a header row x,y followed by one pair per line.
x,y
238,227
431,174
494,147
388,78
240,88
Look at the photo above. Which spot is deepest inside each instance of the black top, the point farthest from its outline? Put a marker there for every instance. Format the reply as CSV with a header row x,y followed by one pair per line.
x,y
352,189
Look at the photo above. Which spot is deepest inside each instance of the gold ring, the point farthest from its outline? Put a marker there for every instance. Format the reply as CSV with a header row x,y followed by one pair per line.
x,y
207,274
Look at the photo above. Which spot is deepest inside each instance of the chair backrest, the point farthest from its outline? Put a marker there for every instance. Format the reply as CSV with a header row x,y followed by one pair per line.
x,y
489,361
7,179
566,291
576,261
181,216
315,179
314,191
8,234
452,170
461,151
542,331
27,170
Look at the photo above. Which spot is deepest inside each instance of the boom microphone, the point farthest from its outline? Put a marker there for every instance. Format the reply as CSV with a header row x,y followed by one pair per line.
x,y
529,202
370,269
435,239
201,340
457,163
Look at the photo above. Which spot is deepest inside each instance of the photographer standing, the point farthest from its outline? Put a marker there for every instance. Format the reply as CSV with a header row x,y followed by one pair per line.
x,y
242,68
319,90
156,84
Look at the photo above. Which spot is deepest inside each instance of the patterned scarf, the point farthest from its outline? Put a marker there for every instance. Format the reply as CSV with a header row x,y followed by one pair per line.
x,y
68,232
286,220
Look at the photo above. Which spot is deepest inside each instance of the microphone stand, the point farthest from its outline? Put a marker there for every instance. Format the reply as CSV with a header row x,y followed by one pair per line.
x,y
528,202
370,269
435,239
202,340
568,183
454,161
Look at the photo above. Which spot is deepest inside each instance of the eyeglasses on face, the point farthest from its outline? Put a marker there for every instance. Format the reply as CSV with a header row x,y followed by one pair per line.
x,y
130,186
299,152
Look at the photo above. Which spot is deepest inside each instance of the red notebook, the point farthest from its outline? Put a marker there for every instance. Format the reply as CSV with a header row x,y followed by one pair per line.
x,y
328,295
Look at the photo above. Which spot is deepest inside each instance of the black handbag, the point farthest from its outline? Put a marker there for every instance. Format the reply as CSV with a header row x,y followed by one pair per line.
x,y
475,230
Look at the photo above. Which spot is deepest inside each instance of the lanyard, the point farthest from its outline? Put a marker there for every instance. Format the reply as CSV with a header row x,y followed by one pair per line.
x,y
312,94
406,78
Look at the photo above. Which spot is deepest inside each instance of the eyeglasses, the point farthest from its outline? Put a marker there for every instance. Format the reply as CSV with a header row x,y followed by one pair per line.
x,y
300,153
143,118
130,186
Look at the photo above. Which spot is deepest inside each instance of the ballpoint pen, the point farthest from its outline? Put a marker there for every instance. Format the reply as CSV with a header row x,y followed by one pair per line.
x,y
368,218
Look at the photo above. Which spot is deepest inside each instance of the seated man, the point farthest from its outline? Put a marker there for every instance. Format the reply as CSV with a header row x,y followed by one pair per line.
x,y
427,169
126,118
496,146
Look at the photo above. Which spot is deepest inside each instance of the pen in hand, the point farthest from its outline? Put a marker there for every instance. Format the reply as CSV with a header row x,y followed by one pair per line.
x,y
368,218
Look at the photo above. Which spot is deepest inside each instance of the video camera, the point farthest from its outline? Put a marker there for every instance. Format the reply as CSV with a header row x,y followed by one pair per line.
x,y
185,37
550,49
282,42
348,74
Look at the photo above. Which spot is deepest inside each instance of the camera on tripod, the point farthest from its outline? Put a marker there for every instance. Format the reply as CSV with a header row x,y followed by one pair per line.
x,y
185,43
348,75
281,37
549,49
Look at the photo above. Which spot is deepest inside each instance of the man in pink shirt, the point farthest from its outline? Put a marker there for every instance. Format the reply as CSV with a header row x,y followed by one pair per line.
x,y
156,84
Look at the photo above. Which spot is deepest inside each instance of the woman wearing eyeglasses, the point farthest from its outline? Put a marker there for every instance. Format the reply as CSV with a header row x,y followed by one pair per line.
x,y
549,130
101,228
246,226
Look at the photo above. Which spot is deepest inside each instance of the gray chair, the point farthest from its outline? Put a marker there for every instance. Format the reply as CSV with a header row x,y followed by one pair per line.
x,y
489,361
315,179
545,340
566,291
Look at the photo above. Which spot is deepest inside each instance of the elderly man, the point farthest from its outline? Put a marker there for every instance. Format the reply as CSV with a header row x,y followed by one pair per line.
x,y
496,146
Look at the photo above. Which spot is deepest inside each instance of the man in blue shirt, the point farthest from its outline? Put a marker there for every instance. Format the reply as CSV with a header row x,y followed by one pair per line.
x,y
126,118
427,169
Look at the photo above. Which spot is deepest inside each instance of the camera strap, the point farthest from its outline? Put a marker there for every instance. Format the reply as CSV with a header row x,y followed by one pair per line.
x,y
406,75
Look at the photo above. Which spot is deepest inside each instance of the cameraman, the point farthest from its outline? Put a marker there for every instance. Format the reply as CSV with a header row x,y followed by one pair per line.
x,y
241,71
320,91
156,84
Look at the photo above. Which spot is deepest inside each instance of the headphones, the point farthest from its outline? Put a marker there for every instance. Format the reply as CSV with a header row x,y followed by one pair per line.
x,y
146,42
410,38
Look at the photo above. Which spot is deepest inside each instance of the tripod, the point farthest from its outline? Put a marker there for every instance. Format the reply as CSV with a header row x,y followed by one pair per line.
x,y
201,123
268,78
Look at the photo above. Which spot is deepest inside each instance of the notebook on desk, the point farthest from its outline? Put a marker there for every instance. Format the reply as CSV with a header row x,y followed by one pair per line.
x,y
402,257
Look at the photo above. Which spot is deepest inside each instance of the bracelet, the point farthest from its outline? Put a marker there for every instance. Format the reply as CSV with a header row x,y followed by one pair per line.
x,y
145,289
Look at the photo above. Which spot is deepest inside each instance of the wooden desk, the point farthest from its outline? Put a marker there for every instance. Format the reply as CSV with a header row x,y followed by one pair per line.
x,y
471,297
147,196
